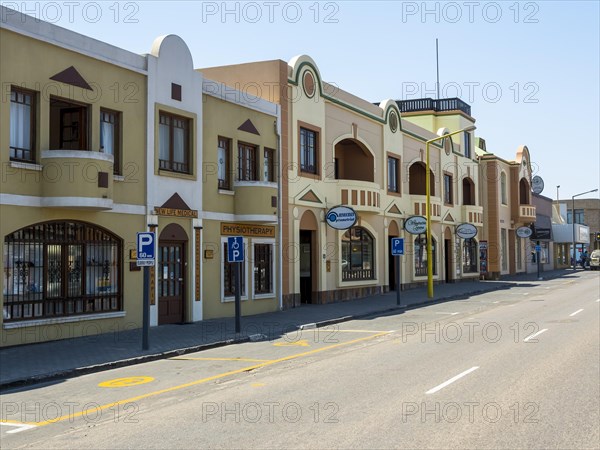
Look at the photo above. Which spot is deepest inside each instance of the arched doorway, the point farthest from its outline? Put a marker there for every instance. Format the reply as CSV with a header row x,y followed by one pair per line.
x,y
523,192
171,274
308,282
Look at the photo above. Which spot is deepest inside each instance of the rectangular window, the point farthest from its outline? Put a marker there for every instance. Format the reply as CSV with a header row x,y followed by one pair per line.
x,y
519,253
393,174
579,216
174,143
308,150
229,276
246,162
263,269
448,188
224,163
22,125
467,144
68,125
269,165
110,137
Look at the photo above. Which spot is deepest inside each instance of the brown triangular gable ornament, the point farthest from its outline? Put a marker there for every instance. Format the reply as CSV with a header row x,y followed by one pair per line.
x,y
72,77
249,127
394,210
310,196
176,202
449,218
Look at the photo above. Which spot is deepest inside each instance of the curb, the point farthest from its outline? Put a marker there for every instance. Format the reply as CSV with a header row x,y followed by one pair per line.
x,y
72,373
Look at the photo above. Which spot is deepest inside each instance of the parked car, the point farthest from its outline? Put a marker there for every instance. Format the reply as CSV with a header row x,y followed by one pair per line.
x,y
595,260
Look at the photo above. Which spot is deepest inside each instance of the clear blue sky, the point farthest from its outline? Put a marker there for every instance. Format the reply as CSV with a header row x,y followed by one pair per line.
x,y
530,70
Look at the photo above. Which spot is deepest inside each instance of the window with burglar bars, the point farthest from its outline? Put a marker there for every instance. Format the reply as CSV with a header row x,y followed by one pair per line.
x,y
58,269
263,269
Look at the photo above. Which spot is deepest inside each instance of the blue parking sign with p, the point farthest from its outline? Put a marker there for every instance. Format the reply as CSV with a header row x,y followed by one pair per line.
x,y
146,248
235,249
397,246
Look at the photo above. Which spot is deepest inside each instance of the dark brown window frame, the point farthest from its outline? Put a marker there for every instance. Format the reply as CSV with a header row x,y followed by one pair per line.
x,y
397,192
317,173
84,127
224,184
229,276
266,287
170,165
249,173
117,157
445,176
270,164
32,122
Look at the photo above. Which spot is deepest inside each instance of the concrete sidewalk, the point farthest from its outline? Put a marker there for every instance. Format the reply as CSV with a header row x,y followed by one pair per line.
x,y
28,364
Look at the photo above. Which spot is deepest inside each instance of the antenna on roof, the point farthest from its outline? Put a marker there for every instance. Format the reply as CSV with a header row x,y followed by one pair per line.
x,y
437,63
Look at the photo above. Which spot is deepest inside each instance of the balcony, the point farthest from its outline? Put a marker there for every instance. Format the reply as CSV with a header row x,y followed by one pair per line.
x,y
255,198
472,214
359,195
429,104
526,214
77,179
419,206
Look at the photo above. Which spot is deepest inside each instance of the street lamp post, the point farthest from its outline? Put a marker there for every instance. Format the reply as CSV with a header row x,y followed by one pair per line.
x,y
428,206
573,222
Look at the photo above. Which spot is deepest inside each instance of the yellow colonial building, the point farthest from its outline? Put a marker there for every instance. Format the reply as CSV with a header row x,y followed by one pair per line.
x,y
72,192
240,198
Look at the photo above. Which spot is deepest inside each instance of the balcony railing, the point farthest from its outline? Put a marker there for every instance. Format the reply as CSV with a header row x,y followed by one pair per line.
x,y
360,195
429,104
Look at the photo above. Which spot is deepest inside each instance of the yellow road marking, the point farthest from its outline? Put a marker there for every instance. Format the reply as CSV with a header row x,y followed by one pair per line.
x,y
301,343
125,382
330,330
182,358
204,380
258,384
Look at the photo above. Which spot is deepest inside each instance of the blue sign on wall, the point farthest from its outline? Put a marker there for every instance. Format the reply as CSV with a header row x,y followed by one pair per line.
x,y
397,246
235,249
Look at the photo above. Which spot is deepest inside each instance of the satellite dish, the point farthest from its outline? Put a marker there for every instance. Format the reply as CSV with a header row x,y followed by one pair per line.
x,y
537,184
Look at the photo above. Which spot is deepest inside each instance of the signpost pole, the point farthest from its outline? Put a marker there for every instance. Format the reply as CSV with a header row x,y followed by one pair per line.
x,y
146,309
537,251
238,298
398,281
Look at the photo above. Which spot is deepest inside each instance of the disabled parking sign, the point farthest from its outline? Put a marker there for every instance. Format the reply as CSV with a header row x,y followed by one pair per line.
x,y
235,249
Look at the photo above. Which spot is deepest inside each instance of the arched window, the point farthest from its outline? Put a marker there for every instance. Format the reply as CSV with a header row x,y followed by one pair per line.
x,y
416,180
523,192
503,188
57,269
468,189
421,255
358,255
470,256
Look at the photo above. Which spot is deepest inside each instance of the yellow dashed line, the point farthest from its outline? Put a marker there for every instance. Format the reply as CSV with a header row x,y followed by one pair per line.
x,y
203,380
220,359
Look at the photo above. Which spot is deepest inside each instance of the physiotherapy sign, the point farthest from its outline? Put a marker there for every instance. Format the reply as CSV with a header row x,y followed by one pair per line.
x,y
341,217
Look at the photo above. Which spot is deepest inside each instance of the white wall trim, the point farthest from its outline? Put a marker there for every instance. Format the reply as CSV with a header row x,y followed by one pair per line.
x,y
77,154
33,201
77,202
26,166
270,184
59,320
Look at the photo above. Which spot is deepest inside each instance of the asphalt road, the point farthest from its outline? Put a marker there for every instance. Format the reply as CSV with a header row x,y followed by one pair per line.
x,y
508,369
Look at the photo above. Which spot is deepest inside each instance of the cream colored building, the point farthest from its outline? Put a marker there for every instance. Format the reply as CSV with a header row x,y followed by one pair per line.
x,y
506,191
338,149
